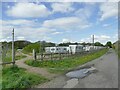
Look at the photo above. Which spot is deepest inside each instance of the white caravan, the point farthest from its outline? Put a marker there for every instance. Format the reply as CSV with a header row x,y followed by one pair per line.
x,y
56,49
75,49
65,49
88,48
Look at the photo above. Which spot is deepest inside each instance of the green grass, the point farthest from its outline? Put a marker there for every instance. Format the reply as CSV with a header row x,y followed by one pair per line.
x,y
18,57
59,66
8,57
14,77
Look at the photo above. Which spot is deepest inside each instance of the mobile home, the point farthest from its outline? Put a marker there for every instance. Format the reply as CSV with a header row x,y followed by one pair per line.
x,y
75,49
56,49
89,48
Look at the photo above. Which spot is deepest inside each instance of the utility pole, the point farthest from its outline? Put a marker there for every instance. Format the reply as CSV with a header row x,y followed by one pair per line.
x,y
13,52
93,41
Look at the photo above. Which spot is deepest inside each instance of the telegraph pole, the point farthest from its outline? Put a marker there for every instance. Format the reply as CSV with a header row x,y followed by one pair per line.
x,y
93,41
13,52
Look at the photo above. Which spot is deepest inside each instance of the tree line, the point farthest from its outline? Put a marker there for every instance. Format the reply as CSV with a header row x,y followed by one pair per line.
x,y
39,45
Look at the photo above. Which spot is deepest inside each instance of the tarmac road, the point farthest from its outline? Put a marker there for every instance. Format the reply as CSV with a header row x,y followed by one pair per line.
x,y
106,77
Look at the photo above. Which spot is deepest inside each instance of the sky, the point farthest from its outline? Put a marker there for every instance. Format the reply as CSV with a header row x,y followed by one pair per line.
x,y
60,21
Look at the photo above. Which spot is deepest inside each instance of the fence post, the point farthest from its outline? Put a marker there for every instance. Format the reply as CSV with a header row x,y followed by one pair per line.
x,y
51,56
59,56
34,54
41,56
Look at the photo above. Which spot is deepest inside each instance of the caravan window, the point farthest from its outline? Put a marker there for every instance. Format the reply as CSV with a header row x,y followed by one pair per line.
x,y
76,47
52,49
65,49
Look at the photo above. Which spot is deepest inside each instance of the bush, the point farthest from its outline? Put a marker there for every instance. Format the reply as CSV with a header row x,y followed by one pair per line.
x,y
29,48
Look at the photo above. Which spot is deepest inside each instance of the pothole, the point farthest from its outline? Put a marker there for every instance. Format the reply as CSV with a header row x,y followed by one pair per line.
x,y
81,73
78,74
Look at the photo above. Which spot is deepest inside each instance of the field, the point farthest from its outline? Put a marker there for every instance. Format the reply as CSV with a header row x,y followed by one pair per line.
x,y
58,66
14,77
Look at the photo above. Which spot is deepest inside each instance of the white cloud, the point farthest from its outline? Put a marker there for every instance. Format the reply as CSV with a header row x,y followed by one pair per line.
x,y
62,7
98,38
55,33
83,12
19,22
28,10
65,40
106,25
27,32
67,23
108,10
87,10
102,37
113,0
20,38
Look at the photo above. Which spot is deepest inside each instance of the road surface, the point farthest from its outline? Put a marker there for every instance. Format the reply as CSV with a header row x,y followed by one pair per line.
x,y
106,77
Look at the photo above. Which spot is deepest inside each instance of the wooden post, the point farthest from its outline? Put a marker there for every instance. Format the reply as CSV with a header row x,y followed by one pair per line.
x,y
68,54
13,52
51,56
41,56
59,56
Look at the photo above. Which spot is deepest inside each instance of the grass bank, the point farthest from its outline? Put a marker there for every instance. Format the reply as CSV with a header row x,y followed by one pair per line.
x,y
14,77
65,64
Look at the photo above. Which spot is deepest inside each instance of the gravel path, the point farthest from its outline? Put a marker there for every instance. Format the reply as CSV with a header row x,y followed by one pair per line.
x,y
106,77
36,70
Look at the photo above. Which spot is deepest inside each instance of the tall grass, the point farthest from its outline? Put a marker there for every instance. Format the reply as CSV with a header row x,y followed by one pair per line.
x,y
14,77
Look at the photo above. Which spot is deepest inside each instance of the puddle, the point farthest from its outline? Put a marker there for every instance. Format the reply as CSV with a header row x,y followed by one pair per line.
x,y
81,73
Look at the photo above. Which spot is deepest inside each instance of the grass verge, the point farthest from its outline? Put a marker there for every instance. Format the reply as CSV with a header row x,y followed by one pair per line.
x,y
8,58
59,66
14,77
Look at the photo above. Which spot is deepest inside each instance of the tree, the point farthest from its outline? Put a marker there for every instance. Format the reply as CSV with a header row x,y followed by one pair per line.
x,y
109,44
98,44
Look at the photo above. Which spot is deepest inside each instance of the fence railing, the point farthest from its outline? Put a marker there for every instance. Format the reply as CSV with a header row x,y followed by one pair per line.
x,y
60,56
